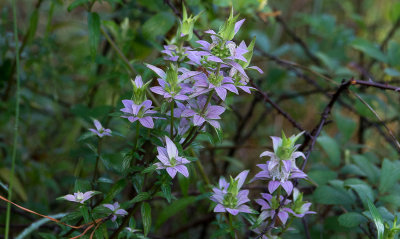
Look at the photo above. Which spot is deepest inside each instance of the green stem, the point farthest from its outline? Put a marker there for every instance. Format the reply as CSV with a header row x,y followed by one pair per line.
x,y
126,61
232,230
218,69
137,135
96,166
286,226
208,101
172,120
201,169
14,150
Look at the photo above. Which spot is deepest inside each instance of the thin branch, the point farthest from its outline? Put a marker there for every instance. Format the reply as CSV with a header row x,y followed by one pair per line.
x,y
279,109
126,61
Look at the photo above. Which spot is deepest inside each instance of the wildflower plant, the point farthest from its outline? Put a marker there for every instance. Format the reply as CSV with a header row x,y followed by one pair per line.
x,y
193,85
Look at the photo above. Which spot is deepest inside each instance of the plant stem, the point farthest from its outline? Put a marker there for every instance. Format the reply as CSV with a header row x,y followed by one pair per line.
x,y
14,150
137,135
126,61
232,230
97,162
172,120
201,169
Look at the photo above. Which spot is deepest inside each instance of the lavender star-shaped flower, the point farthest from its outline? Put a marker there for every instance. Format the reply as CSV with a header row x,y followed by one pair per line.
x,y
170,160
270,203
100,131
282,164
172,89
142,112
220,84
229,197
116,210
79,197
202,113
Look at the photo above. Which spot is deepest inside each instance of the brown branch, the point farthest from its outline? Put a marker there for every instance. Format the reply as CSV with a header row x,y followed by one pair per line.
x,y
279,109
376,85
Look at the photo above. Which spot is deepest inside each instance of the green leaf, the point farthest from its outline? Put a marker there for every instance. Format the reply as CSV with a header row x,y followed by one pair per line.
x,y
392,72
331,148
158,25
35,225
85,213
175,207
33,22
346,126
351,219
146,217
363,190
140,197
332,196
116,188
94,32
5,174
367,167
369,49
166,189
376,216
82,185
76,4
389,175
322,177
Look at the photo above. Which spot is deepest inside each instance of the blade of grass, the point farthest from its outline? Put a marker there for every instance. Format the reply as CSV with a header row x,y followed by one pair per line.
x,y
14,149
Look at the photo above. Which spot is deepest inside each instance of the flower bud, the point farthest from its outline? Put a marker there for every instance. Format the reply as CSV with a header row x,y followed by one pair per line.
x,y
139,90
186,27
227,31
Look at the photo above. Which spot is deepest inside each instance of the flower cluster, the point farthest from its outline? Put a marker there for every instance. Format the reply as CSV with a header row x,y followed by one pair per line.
x,y
279,170
192,85
229,197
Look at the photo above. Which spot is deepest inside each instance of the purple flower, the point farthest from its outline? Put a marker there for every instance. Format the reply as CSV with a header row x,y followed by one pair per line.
x,y
174,53
116,210
282,164
219,83
132,230
202,113
79,197
170,160
140,112
100,131
300,208
279,172
270,203
171,86
229,197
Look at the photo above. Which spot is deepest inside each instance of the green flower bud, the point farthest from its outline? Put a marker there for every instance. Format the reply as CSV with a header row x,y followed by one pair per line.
x,y
139,90
248,55
227,31
286,148
186,27
172,78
